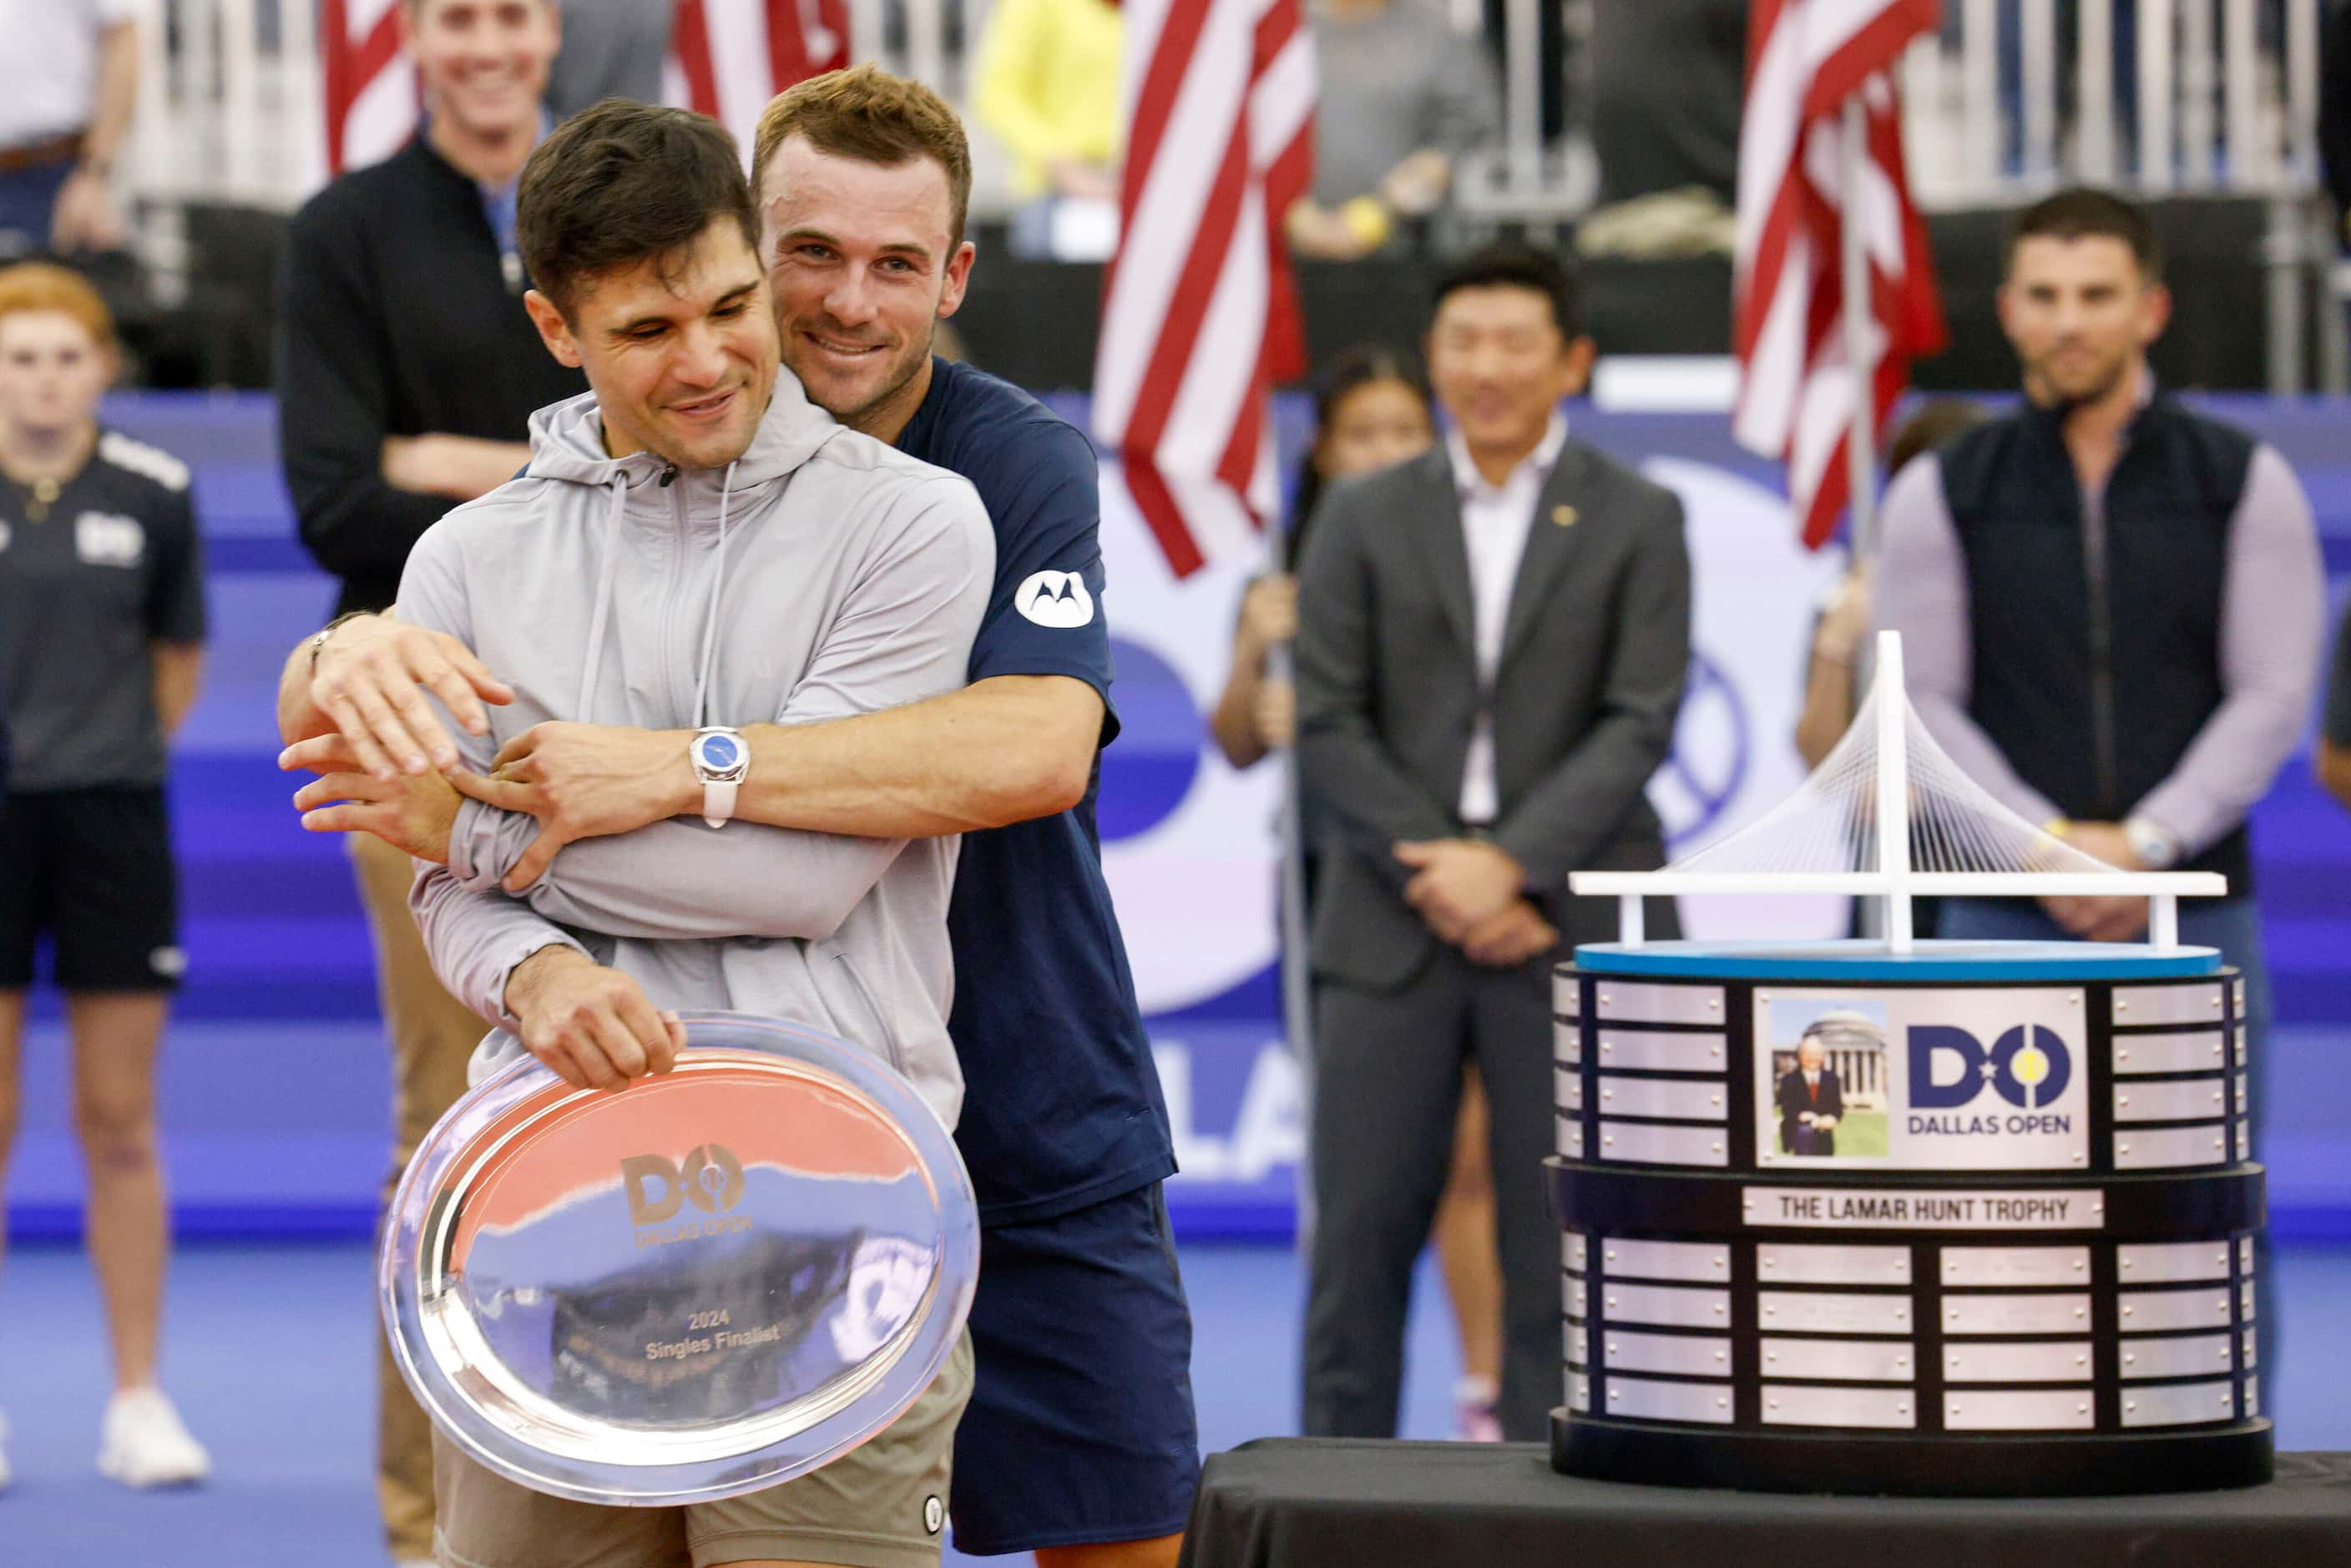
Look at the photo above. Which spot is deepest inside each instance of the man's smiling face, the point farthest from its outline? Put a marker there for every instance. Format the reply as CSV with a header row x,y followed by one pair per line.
x,y
863,263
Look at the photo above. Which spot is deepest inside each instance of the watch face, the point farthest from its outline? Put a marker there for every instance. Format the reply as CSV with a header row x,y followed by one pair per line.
x,y
719,752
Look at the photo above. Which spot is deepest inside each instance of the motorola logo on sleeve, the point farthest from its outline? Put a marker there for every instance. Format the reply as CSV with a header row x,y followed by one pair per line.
x,y
710,1178
1055,599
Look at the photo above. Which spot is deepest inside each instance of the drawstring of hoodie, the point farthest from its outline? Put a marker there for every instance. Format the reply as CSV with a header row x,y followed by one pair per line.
x,y
718,589
619,491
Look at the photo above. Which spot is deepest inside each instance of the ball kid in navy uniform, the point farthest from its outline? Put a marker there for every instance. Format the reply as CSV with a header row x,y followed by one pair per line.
x,y
102,632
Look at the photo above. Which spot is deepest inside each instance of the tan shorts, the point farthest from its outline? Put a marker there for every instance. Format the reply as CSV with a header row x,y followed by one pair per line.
x,y
880,1506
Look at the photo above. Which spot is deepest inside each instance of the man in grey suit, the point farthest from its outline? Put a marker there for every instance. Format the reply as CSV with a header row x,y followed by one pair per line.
x,y
1492,644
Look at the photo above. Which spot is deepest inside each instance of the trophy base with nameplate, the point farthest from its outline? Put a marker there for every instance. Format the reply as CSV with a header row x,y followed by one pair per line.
x,y
703,1284
1901,1217
2016,1259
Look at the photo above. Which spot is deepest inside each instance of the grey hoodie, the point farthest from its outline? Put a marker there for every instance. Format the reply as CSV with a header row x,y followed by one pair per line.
x,y
824,574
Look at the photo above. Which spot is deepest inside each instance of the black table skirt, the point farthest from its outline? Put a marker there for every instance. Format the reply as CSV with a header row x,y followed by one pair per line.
x,y
1286,1502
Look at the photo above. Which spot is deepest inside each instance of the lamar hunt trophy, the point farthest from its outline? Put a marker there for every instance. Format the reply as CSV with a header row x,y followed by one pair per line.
x,y
1896,1216
700,1285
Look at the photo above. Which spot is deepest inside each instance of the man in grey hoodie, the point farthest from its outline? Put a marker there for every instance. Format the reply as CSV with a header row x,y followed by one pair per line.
x,y
695,545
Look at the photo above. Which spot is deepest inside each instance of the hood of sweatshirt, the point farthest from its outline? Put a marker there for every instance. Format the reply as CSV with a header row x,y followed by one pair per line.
x,y
822,575
567,446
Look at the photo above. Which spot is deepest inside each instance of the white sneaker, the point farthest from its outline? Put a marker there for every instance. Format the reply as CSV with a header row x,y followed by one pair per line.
x,y
146,1445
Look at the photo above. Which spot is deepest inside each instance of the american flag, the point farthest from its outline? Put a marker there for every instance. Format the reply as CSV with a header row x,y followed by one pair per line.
x,y
726,60
1199,313
1805,59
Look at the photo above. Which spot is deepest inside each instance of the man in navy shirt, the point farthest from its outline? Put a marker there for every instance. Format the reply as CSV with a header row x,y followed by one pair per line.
x,y
1079,1443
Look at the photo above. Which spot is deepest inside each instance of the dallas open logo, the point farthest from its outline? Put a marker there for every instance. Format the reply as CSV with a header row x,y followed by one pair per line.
x,y
1950,1069
710,1177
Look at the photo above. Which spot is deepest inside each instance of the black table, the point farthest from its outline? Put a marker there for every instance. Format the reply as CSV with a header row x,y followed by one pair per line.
x,y
1286,1502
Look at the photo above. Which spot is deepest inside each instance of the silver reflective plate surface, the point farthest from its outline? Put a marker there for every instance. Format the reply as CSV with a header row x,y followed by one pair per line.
x,y
1659,1004
1648,1142
2178,1099
1661,1052
1779,1264
1674,1306
2161,1311
1842,1360
699,1286
1670,1099
1832,1311
2166,1004
1701,1260
2179,1405
1793,1405
1691,1355
2068,1313
2067,1361
1567,1044
1652,1401
1566,992
2015,1265
1569,1140
2169,1147
2049,1410
2192,1356
2164,1263
1576,1250
2202,1051
1567,1088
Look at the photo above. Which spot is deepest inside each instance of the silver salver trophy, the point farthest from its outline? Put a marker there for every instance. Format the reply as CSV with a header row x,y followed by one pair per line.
x,y
701,1285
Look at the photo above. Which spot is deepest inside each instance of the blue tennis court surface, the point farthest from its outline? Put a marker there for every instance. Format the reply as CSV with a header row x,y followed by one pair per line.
x,y
269,1352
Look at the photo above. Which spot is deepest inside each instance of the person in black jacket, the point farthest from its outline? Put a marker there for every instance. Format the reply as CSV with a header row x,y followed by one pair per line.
x,y
2335,110
407,372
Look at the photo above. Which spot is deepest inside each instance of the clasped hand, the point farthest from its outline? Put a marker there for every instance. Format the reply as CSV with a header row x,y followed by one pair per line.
x,y
1469,893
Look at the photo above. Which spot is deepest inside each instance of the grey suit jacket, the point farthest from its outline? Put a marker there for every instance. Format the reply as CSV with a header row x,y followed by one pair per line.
x,y
1593,655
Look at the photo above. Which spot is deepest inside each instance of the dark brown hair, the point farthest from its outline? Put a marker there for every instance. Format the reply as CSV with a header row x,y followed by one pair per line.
x,y
868,114
1358,367
1514,263
620,184
2082,213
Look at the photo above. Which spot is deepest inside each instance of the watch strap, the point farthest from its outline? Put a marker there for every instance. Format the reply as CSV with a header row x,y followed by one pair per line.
x,y
717,801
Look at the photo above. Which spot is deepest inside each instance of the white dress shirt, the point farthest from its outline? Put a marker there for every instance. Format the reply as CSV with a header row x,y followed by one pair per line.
x,y
49,65
1495,520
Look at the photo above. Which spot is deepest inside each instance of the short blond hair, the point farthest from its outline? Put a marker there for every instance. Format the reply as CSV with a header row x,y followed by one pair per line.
x,y
868,114
43,285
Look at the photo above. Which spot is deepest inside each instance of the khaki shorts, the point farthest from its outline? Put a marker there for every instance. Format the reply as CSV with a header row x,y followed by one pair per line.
x,y
879,1506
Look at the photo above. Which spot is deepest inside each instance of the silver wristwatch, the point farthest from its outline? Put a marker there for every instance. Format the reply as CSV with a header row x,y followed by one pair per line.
x,y
2155,849
720,760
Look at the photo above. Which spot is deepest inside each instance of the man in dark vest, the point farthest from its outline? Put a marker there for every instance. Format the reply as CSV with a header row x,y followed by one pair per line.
x,y
2111,608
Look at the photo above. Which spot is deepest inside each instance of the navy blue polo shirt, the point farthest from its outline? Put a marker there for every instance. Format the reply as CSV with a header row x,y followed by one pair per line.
x,y
1061,1105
